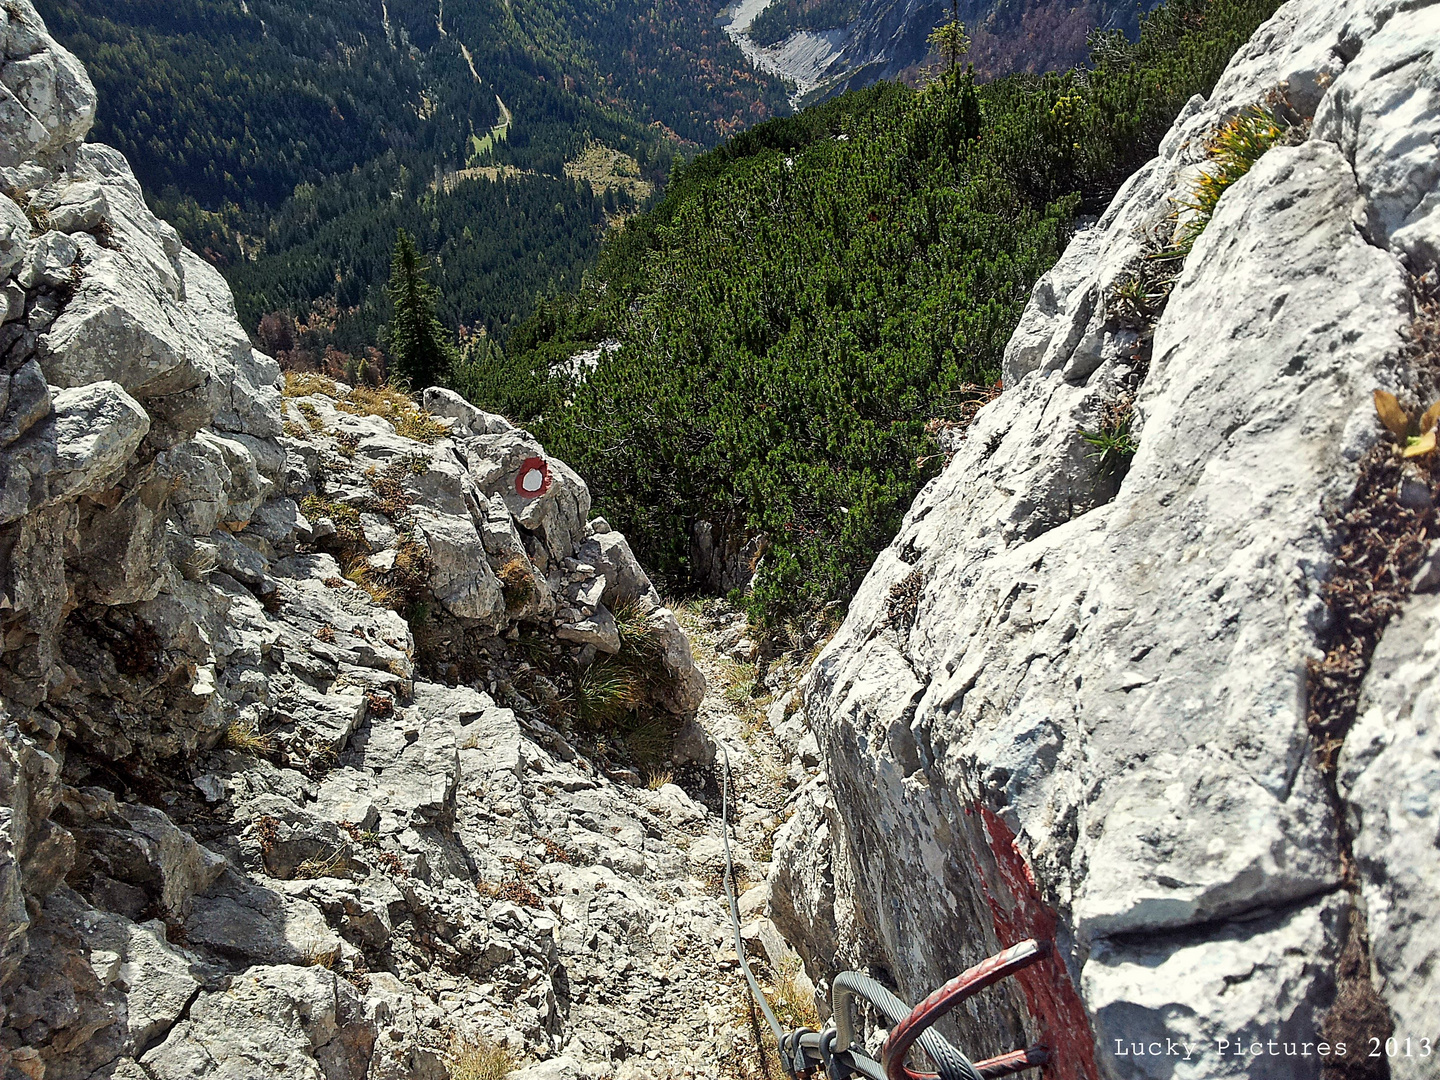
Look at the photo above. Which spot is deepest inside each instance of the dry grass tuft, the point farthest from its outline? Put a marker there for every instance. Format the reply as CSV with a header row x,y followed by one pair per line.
x,y
334,863
956,417
420,426
317,955
904,600
656,780
738,679
478,1058
387,402
303,384
792,1000
517,582
794,1007
244,737
517,892
554,852
1382,544
267,833
396,406
312,415
363,574
387,486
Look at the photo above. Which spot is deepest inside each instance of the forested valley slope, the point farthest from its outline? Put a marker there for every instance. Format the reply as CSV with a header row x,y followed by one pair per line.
x,y
288,140
815,307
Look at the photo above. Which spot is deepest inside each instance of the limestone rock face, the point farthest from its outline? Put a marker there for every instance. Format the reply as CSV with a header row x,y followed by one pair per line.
x,y
276,669
1093,729
1390,776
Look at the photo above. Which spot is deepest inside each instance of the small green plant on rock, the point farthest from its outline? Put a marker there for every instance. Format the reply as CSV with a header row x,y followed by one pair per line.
x,y
1233,151
1114,443
346,518
1138,297
1416,435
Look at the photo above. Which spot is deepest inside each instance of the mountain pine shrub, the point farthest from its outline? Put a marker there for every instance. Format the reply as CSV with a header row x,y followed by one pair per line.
x,y
809,295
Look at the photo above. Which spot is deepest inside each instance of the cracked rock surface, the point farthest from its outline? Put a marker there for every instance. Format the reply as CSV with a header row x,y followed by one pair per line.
x,y
1095,727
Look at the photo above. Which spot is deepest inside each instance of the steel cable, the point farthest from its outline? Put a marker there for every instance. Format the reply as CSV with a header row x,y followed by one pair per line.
x,y
769,1013
801,1050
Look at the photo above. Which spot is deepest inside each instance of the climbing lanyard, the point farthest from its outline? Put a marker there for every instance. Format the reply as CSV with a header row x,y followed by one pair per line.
x,y
834,1049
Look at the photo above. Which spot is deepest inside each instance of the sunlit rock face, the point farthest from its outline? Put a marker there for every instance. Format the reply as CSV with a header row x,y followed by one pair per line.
x,y
1092,725
265,810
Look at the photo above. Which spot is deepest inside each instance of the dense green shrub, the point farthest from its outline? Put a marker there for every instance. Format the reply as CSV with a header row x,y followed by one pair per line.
x,y
808,295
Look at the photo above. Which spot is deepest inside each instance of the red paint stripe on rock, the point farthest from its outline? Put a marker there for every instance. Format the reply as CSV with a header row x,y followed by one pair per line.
x,y
1020,913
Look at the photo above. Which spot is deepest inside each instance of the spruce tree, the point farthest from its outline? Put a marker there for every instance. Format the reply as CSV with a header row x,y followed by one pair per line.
x,y
950,40
420,346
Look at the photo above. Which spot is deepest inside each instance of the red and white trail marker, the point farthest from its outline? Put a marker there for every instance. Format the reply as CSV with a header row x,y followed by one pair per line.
x,y
533,480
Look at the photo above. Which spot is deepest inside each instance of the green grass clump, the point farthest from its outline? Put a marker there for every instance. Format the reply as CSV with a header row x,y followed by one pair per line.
x,y
639,637
346,518
1114,444
1233,151
605,692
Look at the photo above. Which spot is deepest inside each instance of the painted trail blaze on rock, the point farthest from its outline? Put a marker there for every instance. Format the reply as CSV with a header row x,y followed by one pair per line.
x,y
533,479
1020,913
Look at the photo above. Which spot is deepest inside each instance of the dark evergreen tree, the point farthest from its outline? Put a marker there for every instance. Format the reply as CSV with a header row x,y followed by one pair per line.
x,y
970,113
420,348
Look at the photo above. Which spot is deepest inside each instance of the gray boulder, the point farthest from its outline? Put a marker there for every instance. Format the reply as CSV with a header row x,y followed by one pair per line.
x,y
468,419
46,98
270,1023
86,438
1390,779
